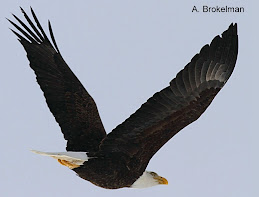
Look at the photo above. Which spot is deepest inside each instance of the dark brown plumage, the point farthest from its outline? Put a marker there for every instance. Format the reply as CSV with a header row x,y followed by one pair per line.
x,y
122,156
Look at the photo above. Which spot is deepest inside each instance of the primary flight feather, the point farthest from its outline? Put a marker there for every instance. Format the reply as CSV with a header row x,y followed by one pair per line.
x,y
120,158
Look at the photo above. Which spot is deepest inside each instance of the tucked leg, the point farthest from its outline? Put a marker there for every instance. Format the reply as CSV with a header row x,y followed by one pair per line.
x,y
68,164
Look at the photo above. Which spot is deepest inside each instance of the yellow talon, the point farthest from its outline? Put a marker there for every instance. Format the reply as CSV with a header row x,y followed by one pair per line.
x,y
68,164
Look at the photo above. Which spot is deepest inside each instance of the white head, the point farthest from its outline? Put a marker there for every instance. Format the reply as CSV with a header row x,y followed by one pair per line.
x,y
149,179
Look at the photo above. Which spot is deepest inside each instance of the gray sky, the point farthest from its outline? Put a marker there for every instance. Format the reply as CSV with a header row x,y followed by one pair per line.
x,y
124,51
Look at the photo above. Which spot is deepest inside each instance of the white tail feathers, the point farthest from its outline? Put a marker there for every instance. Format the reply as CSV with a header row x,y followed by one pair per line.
x,y
74,158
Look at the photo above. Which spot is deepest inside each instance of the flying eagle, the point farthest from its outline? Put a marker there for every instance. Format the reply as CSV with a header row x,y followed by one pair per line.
x,y
119,159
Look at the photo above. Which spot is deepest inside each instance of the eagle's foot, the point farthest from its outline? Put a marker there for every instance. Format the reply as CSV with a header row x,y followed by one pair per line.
x,y
68,164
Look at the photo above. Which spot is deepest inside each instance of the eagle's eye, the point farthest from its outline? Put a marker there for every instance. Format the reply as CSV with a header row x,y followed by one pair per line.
x,y
153,174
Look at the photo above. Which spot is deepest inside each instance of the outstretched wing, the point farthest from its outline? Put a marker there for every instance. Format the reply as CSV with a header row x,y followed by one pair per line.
x,y
73,108
179,104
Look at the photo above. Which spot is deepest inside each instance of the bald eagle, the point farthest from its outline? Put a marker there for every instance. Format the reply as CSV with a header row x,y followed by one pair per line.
x,y
119,159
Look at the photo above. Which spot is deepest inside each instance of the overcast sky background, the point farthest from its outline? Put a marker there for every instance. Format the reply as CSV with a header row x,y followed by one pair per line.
x,y
124,51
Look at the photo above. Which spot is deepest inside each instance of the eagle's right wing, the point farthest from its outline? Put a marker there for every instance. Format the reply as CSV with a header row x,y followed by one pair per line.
x,y
176,106
73,108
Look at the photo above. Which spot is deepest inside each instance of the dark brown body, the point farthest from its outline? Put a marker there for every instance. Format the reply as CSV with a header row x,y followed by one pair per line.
x,y
111,171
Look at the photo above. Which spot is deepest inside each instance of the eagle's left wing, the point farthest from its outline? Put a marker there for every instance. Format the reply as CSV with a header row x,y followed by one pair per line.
x,y
72,106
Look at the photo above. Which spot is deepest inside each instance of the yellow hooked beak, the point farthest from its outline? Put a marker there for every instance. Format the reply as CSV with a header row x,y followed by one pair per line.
x,y
161,180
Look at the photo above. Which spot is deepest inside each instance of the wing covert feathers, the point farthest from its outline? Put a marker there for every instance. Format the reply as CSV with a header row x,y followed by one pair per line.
x,y
179,104
73,108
